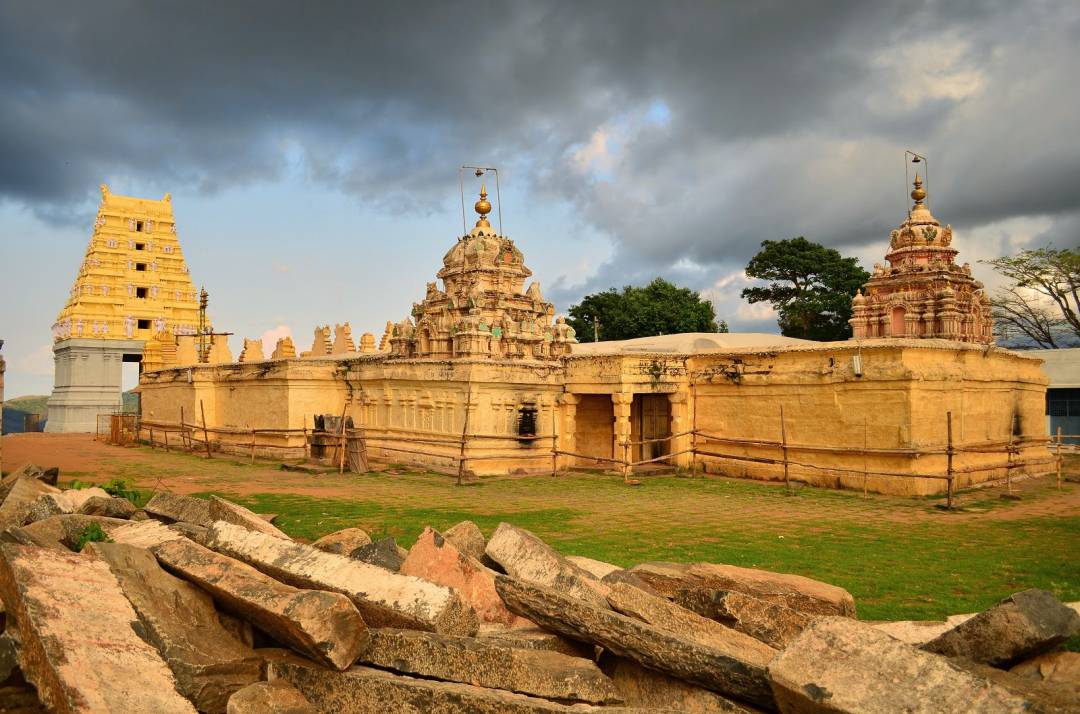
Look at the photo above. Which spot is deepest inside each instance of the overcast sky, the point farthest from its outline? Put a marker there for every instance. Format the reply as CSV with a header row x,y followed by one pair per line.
x,y
312,149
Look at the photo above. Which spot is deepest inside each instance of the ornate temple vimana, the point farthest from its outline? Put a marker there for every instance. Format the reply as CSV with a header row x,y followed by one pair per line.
x,y
922,292
132,284
483,370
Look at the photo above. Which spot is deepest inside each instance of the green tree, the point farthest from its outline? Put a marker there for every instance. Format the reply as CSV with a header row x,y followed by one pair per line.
x,y
1042,299
659,308
810,287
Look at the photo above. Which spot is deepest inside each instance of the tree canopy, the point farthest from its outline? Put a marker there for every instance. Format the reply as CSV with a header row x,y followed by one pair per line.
x,y
810,287
1041,302
659,308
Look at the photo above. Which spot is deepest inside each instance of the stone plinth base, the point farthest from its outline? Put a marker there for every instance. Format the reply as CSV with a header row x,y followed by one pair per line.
x,y
88,382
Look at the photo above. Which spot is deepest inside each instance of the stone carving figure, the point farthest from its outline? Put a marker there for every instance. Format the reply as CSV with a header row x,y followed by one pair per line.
x,y
129,326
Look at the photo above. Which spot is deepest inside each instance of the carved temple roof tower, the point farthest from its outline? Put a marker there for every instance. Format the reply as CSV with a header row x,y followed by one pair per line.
x,y
483,309
922,292
133,282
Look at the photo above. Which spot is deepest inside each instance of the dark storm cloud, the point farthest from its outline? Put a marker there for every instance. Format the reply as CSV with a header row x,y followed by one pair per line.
x,y
779,119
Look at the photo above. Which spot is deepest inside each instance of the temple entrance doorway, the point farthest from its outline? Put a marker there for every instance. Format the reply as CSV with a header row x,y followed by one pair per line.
x,y
654,415
594,433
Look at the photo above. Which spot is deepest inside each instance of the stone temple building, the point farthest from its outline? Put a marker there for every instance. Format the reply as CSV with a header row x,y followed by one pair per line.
x,y
132,284
482,369
922,292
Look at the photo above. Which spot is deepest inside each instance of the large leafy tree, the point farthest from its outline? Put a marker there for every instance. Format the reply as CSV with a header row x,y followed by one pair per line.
x,y
1041,301
810,287
659,308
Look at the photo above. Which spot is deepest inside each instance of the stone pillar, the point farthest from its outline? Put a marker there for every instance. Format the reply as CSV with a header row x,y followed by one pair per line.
x,y
568,430
621,402
911,323
88,382
680,422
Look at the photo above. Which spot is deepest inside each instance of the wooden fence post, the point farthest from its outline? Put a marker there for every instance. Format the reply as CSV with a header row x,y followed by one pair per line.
x,y
865,446
206,434
1009,467
252,447
464,434
554,440
1058,458
151,437
783,443
342,440
693,430
166,441
949,460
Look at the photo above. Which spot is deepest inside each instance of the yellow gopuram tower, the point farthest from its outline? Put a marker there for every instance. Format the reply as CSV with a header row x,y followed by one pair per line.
x,y
132,285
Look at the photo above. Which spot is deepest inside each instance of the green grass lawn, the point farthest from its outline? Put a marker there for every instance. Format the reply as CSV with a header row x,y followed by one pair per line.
x,y
900,558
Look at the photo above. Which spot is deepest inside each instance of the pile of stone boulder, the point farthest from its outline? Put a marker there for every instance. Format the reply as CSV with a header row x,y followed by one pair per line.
x,y
202,605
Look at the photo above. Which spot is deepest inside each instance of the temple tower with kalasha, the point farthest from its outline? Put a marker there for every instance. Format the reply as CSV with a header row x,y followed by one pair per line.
x,y
133,285
921,292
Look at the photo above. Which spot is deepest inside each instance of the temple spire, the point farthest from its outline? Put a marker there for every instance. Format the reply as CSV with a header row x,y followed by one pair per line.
x,y
919,193
483,207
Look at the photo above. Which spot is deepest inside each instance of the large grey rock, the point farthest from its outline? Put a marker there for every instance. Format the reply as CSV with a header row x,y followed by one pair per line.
x,y
344,541
1020,626
321,625
437,560
648,645
109,506
384,553
482,663
179,619
222,510
689,625
278,697
525,557
839,664
385,599
467,538
173,507
76,641
21,499
806,595
769,622
67,529
56,504
363,690
641,687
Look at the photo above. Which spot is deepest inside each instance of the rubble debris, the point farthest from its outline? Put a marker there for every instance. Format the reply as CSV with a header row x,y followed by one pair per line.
x,y
278,697
384,553
1021,626
19,501
468,660
525,557
385,599
769,622
172,507
535,638
66,625
179,619
322,625
61,503
222,510
467,537
646,644
839,664
67,529
344,541
597,568
144,534
806,595
108,506
641,687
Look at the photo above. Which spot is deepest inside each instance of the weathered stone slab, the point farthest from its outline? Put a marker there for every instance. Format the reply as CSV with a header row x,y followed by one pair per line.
x,y
769,622
144,534
67,529
222,510
645,644
27,471
362,690
482,663
437,560
76,642
525,557
689,625
806,595
278,697
1017,628
1046,697
63,502
384,553
630,578
535,638
179,619
467,537
173,507
321,625
839,664
110,506
344,541
641,687
24,493
1060,667
385,599
190,531
18,535
597,568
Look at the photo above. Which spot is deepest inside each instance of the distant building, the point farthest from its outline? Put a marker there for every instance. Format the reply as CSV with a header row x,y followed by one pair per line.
x,y
1062,366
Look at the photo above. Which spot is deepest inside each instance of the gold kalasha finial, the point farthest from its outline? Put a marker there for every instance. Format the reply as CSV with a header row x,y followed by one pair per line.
x,y
483,207
919,193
